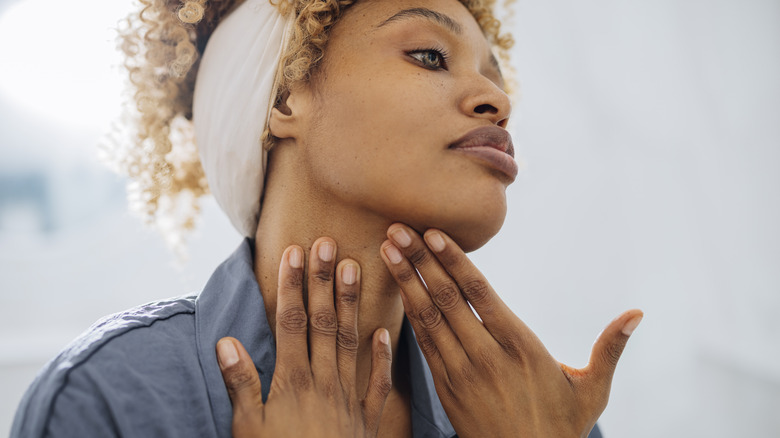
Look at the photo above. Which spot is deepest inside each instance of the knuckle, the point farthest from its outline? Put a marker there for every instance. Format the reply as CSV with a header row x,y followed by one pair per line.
x,y
447,391
612,353
419,256
293,320
323,274
348,298
382,384
487,362
324,322
347,340
446,296
238,380
328,388
513,349
430,318
293,281
427,346
299,379
476,291
405,274
467,373
385,354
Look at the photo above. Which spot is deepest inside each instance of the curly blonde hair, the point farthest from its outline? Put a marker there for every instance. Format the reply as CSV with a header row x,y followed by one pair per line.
x,y
163,43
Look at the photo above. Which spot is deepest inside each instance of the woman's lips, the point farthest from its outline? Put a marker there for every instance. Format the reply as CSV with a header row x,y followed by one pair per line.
x,y
494,158
491,145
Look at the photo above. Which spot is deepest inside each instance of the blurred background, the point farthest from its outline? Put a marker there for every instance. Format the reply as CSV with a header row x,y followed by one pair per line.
x,y
650,134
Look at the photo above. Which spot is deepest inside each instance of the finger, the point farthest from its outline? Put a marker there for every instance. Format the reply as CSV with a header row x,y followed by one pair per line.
x,y
434,336
443,290
609,347
495,314
347,301
322,314
291,343
240,376
379,382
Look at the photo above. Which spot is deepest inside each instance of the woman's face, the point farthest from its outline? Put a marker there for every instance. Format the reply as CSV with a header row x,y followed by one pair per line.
x,y
401,82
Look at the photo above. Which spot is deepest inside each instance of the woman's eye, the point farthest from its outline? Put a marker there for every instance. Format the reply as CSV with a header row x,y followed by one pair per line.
x,y
430,58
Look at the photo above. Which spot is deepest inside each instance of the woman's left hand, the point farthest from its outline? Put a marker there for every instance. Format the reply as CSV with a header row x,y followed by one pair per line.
x,y
494,377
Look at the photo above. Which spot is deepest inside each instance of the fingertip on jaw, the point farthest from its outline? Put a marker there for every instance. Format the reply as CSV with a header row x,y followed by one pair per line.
x,y
392,253
435,240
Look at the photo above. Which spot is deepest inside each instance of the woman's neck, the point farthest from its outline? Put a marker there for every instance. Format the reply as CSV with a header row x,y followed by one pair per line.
x,y
295,213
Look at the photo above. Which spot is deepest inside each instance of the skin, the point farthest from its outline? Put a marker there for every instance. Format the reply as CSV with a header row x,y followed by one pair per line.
x,y
362,153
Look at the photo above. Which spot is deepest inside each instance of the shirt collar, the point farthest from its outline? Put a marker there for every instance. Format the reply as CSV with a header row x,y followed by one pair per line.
x,y
231,305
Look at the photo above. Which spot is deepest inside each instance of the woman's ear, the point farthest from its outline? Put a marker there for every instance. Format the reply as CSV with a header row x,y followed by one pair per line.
x,y
287,115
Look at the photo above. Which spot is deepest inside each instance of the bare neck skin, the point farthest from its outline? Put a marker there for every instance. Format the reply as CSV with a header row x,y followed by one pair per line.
x,y
296,212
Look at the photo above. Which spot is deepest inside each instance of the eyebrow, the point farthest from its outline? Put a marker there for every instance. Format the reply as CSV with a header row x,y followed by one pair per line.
x,y
428,14
441,19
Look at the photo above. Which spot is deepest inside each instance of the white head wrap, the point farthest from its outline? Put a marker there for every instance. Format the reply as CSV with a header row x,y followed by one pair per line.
x,y
234,92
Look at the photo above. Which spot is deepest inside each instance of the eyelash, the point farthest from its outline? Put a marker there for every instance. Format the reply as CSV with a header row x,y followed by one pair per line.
x,y
440,52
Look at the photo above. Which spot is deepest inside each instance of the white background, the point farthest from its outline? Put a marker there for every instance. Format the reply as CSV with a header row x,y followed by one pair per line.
x,y
650,132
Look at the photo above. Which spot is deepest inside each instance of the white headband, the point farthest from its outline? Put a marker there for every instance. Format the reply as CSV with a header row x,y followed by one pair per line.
x,y
234,92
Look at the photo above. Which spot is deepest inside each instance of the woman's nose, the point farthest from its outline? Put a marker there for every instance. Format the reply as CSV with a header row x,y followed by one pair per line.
x,y
487,100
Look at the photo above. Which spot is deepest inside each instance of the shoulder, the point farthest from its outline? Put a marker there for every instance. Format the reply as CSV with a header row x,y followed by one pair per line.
x,y
144,353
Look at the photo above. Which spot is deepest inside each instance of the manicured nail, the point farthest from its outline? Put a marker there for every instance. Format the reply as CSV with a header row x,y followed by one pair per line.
x,y
349,274
295,258
228,355
435,241
393,254
631,325
401,237
326,251
384,337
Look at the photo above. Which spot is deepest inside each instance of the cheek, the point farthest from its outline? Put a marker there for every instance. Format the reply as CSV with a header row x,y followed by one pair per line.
x,y
383,145
372,134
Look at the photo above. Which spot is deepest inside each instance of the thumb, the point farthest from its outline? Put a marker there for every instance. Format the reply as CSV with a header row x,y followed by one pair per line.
x,y
610,344
240,376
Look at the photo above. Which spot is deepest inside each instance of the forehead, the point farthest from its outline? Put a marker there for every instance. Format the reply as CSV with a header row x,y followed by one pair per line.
x,y
367,15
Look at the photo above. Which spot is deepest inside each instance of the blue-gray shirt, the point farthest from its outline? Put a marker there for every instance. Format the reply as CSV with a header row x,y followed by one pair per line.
x,y
152,371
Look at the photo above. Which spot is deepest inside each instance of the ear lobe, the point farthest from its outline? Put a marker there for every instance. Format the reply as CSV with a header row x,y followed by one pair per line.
x,y
281,103
286,115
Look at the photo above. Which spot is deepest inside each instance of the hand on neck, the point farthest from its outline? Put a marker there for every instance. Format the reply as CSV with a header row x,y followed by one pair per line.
x,y
294,212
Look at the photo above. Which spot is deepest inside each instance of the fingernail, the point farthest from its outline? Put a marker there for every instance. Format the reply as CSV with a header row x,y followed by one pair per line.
x,y
326,251
631,325
228,355
349,274
435,241
295,258
401,237
384,337
393,254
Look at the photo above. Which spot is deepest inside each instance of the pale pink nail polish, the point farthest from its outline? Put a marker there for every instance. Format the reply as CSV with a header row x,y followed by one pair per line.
x,y
325,251
349,274
631,325
402,238
435,241
295,258
384,337
228,355
393,254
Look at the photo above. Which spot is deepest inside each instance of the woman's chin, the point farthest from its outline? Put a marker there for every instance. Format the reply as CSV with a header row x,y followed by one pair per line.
x,y
470,233
472,237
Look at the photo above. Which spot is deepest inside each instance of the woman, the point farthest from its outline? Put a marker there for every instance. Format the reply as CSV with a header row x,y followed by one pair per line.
x,y
388,156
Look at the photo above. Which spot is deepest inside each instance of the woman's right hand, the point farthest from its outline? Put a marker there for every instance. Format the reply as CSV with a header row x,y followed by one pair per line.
x,y
311,395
